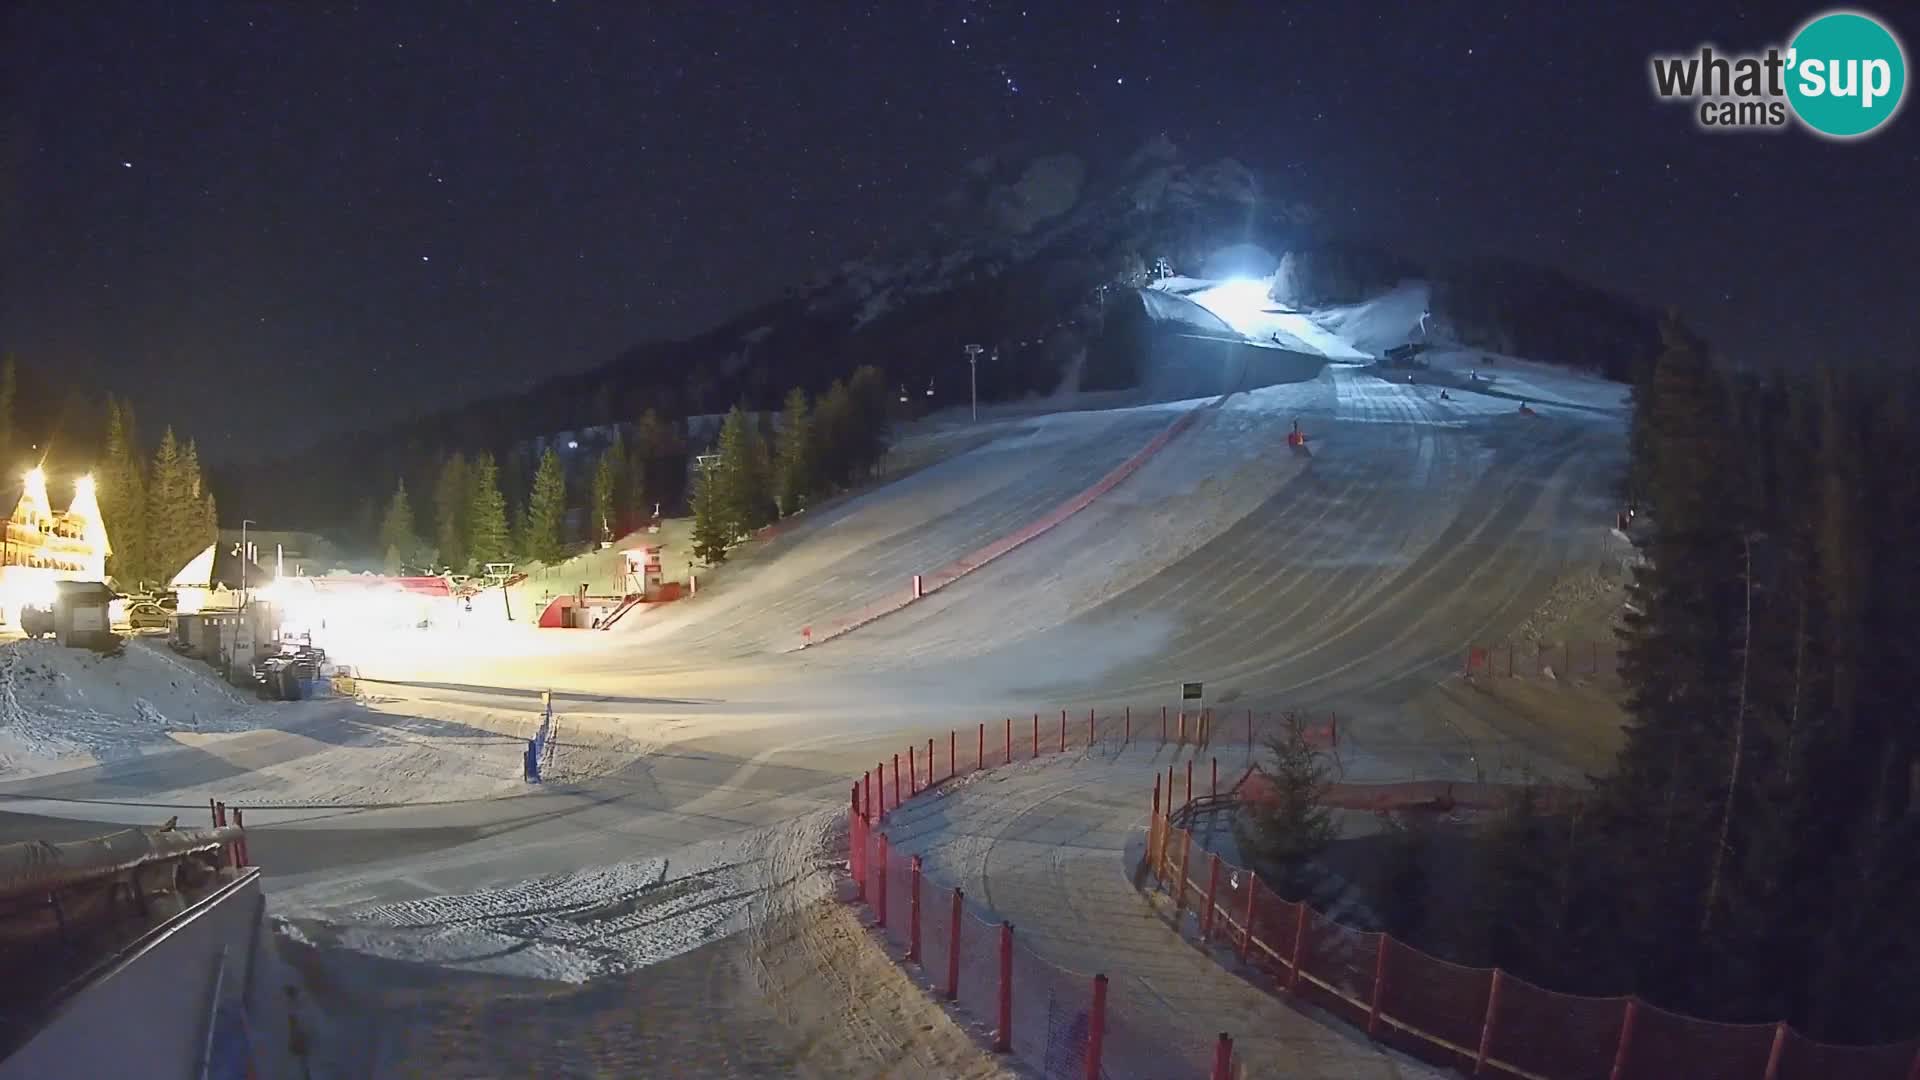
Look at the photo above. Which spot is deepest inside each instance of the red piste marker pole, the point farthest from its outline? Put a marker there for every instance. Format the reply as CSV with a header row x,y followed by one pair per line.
x,y
980,751
1213,786
1096,1027
1036,734
1089,728
913,775
1127,732
953,754
1003,1038
1063,731
953,949
896,781
1163,723
1009,740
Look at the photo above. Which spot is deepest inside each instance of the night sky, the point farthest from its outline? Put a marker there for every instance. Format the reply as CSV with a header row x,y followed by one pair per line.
x,y
267,220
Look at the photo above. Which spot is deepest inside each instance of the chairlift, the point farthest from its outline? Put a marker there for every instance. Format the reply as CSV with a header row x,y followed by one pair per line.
x,y
929,387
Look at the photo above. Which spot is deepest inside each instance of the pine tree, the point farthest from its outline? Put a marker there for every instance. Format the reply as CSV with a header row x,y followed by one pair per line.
x,y
609,491
1285,832
793,469
122,493
9,389
488,538
833,432
452,504
711,531
653,447
398,540
199,513
170,510
546,518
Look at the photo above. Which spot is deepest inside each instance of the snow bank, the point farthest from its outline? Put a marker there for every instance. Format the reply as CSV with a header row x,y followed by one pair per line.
x,y
58,703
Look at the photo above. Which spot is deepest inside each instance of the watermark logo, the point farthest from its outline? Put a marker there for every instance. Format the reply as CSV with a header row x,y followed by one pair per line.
x,y
1842,75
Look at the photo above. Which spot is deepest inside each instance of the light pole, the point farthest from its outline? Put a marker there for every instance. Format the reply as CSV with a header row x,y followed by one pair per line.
x,y
973,377
244,522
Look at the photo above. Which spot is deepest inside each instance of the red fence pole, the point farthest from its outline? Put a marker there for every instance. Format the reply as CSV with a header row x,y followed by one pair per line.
x,y
896,781
1156,794
1163,723
1379,985
929,761
880,887
856,849
220,814
1486,1028
953,949
1089,727
913,913
1127,732
980,751
1774,1052
953,753
1096,1027
1003,1037
1213,786
1299,947
913,775
1182,728
1189,801
1246,928
1063,731
1036,734
1213,891
240,845
213,814
1626,1039
1223,1057
1009,740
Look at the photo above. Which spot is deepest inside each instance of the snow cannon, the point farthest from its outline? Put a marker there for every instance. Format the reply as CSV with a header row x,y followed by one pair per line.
x,y
1527,410
1296,438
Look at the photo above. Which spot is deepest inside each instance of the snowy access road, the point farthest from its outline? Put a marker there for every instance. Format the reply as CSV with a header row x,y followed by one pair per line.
x,y
1042,844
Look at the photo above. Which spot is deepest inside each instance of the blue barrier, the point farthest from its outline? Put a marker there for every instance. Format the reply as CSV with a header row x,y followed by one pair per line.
x,y
537,746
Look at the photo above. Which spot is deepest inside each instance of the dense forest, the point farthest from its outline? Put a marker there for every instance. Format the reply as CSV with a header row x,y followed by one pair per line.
x,y
1755,854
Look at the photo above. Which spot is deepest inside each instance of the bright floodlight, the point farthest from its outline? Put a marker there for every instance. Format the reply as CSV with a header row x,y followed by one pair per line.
x,y
36,478
573,444
83,487
1239,303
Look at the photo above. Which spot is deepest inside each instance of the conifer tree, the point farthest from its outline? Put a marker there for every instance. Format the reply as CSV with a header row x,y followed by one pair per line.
x,y
711,532
610,491
488,538
398,539
793,468
170,511
122,494
546,517
452,503
1286,831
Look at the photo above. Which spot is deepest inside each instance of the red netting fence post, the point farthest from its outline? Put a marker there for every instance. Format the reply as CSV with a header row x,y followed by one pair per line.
x,y
1299,947
913,775
1126,731
1036,734
1003,1035
1213,890
953,949
876,779
1775,1051
980,751
913,911
1063,731
1223,1057
1163,724
953,753
1626,1039
896,780
1182,727
1096,1026
1090,734
1379,982
213,813
929,761
1009,740
1189,801
855,843
1486,1029
880,886
1213,785
1246,928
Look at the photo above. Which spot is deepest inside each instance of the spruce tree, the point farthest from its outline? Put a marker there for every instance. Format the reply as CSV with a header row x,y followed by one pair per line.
x,y
609,491
9,390
652,447
833,432
546,518
452,503
711,531
488,539
1287,830
122,495
793,468
170,511
398,540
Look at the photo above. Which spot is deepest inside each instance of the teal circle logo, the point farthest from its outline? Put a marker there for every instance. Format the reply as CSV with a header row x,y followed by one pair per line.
x,y
1846,74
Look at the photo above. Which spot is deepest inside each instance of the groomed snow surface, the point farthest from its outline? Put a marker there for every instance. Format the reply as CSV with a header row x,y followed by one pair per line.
x,y
702,761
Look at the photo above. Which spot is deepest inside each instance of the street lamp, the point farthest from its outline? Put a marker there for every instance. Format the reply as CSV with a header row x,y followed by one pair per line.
x,y
973,377
244,560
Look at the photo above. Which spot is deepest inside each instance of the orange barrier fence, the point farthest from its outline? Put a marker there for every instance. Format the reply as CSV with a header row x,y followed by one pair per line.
x,y
1482,1021
1568,658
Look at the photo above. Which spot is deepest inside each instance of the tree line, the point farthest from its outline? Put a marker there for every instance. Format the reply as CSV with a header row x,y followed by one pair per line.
x,y
479,509
750,481
1755,853
159,512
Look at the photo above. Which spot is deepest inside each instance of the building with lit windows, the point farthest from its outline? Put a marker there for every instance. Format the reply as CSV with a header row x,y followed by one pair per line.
x,y
41,545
